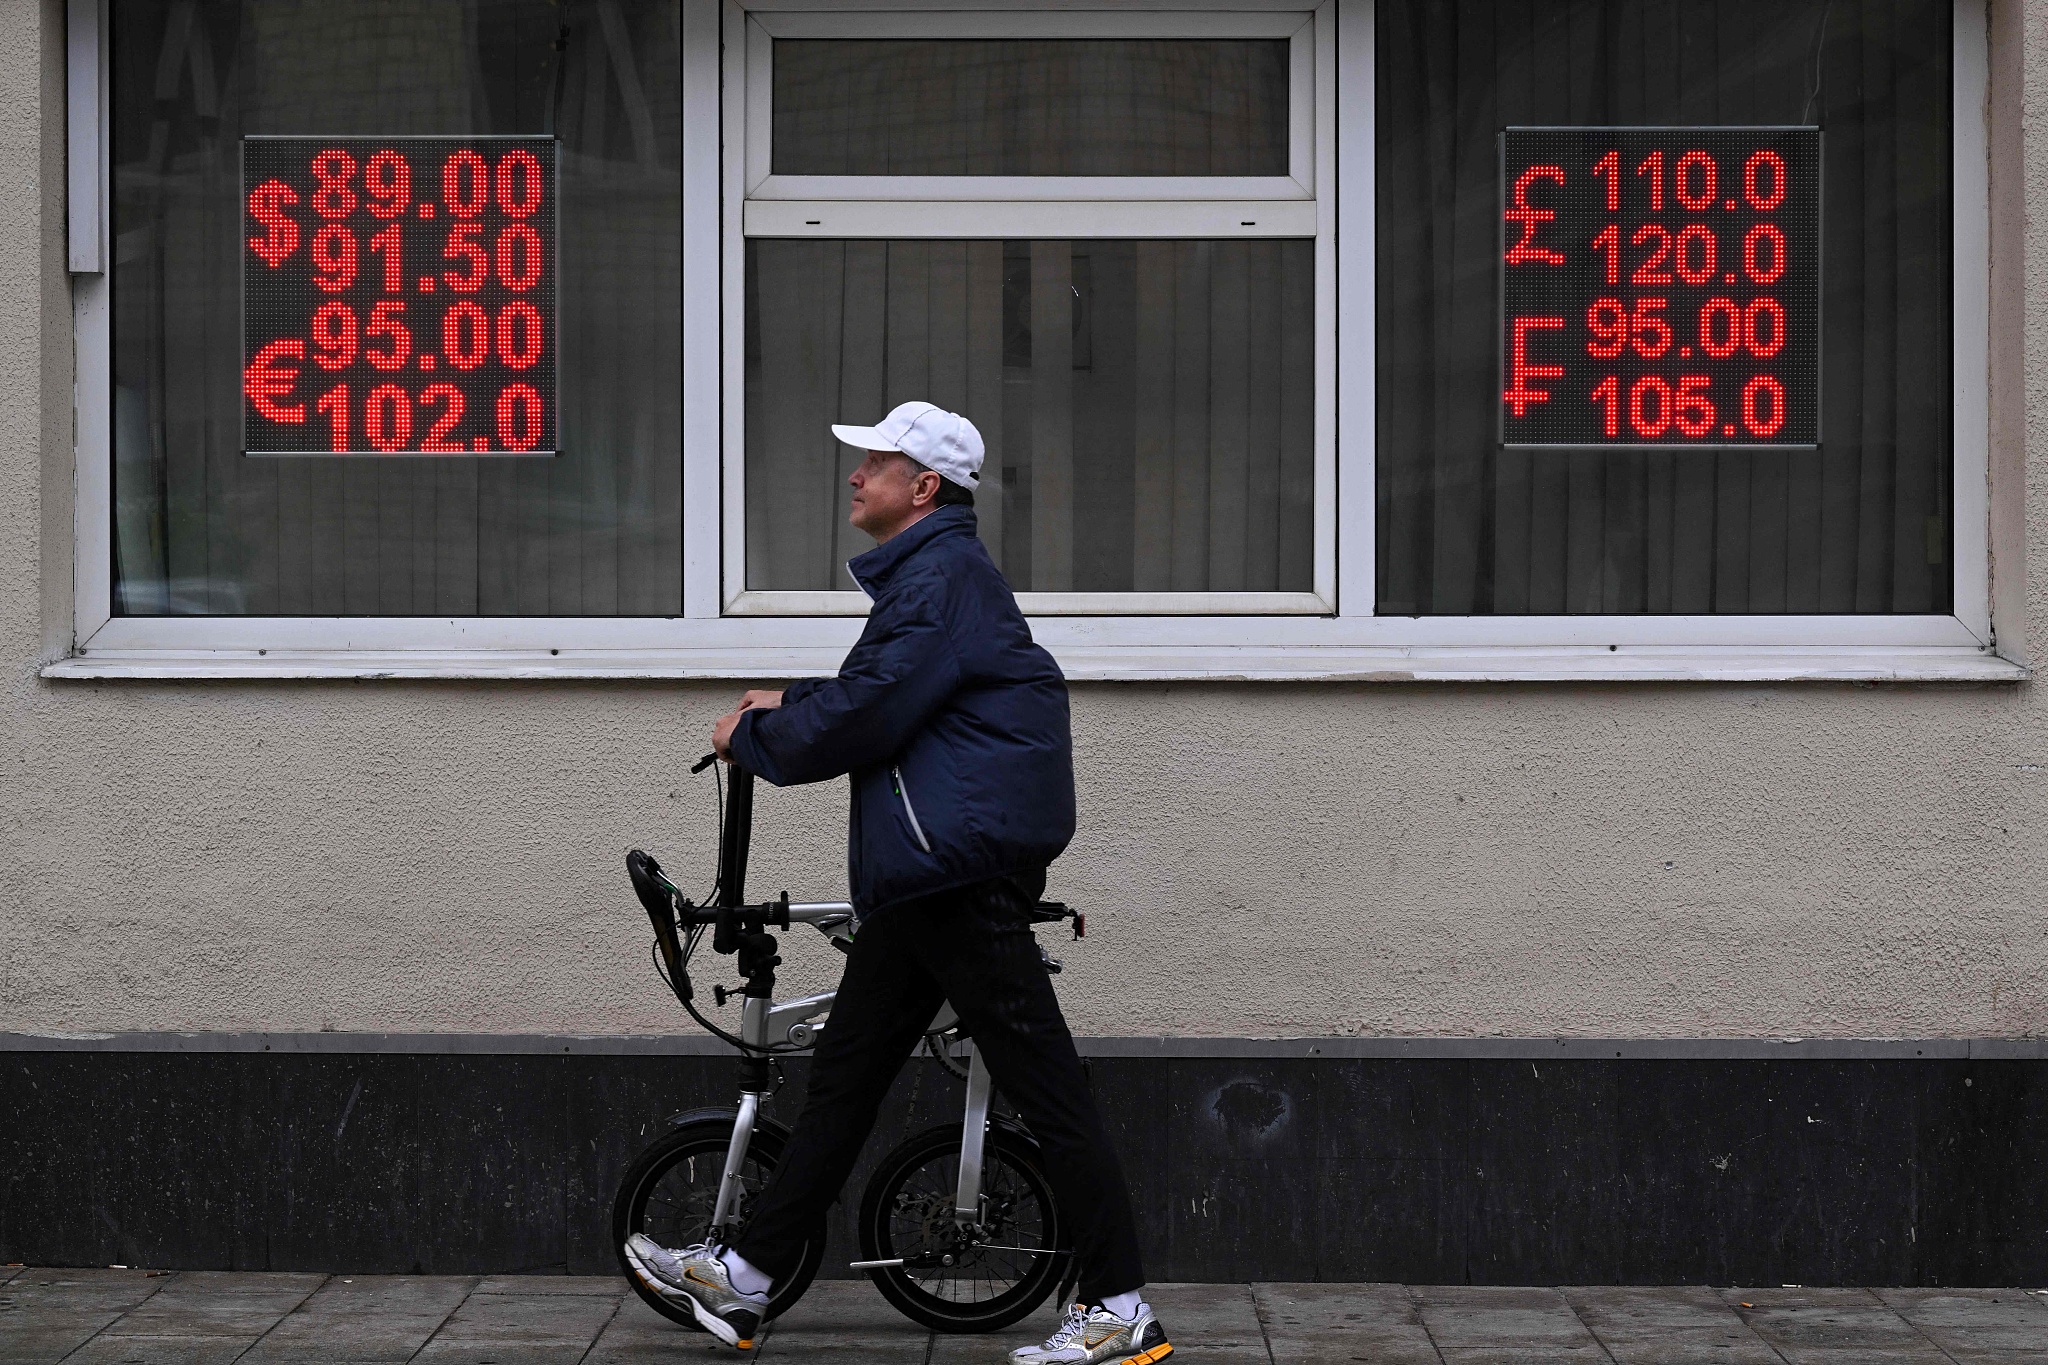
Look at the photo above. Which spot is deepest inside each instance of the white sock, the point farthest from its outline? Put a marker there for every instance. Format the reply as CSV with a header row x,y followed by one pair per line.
x,y
744,1277
1125,1306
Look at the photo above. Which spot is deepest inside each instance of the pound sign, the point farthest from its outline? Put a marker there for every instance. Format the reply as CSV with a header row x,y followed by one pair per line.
x,y
1526,252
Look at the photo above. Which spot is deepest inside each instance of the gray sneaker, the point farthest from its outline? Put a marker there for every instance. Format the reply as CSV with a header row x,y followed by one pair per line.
x,y
697,1277
1096,1336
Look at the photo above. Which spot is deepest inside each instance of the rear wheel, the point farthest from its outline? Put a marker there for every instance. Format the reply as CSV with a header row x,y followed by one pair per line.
x,y
953,1281
671,1189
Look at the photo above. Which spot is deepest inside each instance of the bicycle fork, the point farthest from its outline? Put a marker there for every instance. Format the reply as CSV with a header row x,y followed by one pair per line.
x,y
973,1147
754,1029
973,1141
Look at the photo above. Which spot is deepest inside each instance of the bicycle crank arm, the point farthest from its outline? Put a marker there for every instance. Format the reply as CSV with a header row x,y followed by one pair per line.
x,y
874,1265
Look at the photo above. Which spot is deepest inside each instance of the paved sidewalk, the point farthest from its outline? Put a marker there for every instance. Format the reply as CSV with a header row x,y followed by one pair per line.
x,y
133,1317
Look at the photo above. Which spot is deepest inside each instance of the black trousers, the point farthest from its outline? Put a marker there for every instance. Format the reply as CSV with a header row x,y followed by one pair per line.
x,y
974,947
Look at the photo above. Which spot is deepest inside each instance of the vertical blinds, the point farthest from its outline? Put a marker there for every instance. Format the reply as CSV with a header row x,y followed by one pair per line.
x,y
1147,405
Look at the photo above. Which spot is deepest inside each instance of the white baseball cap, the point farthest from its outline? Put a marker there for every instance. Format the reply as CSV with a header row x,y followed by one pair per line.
x,y
944,442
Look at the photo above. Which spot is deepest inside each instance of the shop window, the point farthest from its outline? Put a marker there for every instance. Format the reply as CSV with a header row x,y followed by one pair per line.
x,y
1258,327
402,528
1681,510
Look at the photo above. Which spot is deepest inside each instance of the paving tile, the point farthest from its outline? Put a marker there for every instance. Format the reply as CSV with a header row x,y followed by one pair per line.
x,y
1735,1345
45,1314
1207,1315
510,1330
1235,1353
112,1290
847,1322
1614,1312
168,1350
638,1335
364,1318
1310,1324
994,1348
1474,1317
217,1303
1974,1324
1522,1355
1826,1319
1667,1326
541,1285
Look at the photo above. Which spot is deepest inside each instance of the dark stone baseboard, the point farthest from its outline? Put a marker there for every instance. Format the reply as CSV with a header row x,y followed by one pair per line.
x,y
1892,1170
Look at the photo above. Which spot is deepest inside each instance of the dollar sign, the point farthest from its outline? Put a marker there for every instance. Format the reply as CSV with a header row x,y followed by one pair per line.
x,y
280,230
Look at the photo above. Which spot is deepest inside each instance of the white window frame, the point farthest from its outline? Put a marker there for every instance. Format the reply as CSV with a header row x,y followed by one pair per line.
x,y
762,204
720,633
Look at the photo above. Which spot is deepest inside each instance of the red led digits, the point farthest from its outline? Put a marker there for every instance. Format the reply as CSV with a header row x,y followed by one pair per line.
x,y
519,334
331,170
384,324
466,336
519,417
334,258
451,402
399,296
519,183
519,257
334,336
1659,286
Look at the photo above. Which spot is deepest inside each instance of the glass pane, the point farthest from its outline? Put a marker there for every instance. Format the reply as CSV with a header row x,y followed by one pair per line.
x,y
202,528
1858,523
1124,106
1148,406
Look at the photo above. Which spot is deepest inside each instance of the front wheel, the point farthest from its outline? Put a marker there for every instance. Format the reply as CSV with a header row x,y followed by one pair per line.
x,y
671,1189
955,1281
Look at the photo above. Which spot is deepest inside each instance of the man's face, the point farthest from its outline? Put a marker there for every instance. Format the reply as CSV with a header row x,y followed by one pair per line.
x,y
889,492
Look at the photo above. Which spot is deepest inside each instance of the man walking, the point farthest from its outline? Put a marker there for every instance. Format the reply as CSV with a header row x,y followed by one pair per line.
x,y
954,727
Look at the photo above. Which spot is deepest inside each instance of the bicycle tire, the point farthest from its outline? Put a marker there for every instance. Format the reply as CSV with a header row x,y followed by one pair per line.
x,y
913,1185
699,1147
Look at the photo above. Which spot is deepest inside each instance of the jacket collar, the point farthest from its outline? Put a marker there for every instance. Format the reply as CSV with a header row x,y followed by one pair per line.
x,y
874,569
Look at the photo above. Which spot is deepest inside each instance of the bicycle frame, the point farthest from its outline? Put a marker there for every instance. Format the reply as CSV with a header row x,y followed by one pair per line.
x,y
766,1023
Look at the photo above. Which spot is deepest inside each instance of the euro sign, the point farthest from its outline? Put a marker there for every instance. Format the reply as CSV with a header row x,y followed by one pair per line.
x,y
267,203
265,381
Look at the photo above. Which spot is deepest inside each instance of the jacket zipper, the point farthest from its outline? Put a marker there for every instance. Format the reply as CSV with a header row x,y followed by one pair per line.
x,y
904,792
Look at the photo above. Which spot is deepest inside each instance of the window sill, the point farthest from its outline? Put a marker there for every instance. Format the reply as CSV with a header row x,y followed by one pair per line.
x,y
1096,663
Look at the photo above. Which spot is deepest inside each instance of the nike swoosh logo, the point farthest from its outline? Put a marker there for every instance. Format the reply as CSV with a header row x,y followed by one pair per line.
x,y
693,1275
1092,1342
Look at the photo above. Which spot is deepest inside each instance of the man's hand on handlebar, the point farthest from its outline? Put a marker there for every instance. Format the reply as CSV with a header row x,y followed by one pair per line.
x,y
755,700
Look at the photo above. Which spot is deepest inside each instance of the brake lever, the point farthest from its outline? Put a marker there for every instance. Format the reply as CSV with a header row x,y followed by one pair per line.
x,y
701,764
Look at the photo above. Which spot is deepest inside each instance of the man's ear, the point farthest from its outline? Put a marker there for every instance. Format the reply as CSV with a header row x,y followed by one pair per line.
x,y
920,493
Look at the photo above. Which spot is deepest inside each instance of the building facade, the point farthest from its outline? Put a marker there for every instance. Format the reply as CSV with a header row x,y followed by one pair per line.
x,y
1532,496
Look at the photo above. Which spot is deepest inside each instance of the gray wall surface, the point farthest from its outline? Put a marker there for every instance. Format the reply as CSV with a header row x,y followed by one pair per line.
x,y
1602,860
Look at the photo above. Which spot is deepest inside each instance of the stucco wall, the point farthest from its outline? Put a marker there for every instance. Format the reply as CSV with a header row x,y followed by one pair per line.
x,y
1595,860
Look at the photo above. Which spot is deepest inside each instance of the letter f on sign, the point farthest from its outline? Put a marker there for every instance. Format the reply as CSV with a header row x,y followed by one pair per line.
x,y
1519,395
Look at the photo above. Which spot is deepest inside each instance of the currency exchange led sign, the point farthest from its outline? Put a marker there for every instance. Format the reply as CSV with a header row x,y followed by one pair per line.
x,y
1660,286
398,296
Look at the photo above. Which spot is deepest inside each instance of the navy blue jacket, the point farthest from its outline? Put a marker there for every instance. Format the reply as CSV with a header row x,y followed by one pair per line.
x,y
951,721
